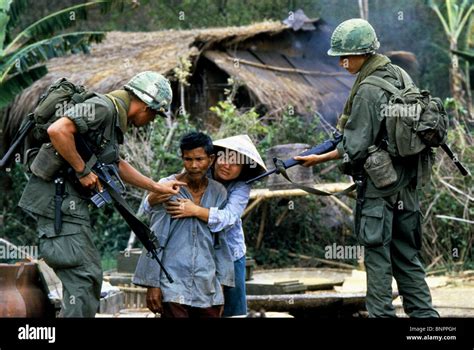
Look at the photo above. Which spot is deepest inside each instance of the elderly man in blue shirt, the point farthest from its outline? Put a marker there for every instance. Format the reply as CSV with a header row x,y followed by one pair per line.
x,y
199,260
237,161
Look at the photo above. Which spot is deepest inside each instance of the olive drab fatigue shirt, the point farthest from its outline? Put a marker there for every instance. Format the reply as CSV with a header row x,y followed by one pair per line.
x,y
365,123
103,128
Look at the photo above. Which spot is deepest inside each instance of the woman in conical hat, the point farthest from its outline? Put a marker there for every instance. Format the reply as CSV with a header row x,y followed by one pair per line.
x,y
237,160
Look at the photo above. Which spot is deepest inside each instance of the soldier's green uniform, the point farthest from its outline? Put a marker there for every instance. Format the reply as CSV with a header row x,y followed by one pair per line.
x,y
390,225
72,253
102,121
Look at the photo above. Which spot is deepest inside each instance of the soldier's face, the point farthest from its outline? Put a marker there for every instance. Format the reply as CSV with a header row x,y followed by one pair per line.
x,y
197,162
144,116
352,63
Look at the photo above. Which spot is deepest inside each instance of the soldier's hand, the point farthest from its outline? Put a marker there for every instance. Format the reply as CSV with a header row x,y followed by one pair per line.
x,y
154,299
91,181
169,187
158,198
310,160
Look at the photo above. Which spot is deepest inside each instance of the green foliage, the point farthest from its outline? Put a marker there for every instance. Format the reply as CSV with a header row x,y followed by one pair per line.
x,y
15,226
111,233
234,122
189,14
23,54
292,128
449,242
168,157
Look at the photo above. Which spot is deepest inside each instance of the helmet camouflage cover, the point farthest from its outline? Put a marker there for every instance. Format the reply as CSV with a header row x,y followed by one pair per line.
x,y
153,89
353,37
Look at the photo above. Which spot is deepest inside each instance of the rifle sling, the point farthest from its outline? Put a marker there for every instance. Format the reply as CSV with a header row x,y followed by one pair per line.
x,y
281,169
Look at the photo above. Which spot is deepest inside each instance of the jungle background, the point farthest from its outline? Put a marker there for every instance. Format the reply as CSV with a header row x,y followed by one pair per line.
x,y
312,224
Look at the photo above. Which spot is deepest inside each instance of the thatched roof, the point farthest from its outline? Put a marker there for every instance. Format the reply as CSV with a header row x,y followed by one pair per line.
x,y
122,54
278,65
281,81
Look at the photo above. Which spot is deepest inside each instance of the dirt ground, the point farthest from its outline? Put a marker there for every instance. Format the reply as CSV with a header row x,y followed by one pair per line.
x,y
455,298
453,295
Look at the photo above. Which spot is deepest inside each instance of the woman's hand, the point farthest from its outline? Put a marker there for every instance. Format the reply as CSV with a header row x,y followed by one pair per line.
x,y
183,208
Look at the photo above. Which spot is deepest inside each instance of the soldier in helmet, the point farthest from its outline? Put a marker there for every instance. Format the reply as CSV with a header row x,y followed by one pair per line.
x,y
387,214
102,122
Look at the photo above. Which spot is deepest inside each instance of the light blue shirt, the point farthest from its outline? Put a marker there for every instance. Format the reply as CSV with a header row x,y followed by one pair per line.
x,y
228,219
187,251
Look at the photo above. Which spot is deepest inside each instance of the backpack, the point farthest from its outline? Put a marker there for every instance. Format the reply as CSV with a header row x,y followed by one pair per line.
x,y
59,97
414,119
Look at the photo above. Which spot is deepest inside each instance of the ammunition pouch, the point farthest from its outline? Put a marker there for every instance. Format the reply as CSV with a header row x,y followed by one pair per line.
x,y
30,156
47,162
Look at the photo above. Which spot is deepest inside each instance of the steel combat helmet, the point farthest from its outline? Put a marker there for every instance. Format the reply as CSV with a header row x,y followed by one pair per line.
x,y
353,37
153,89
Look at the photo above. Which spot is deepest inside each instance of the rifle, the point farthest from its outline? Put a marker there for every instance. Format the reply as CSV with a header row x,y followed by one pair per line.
x,y
330,145
462,169
19,137
112,193
280,165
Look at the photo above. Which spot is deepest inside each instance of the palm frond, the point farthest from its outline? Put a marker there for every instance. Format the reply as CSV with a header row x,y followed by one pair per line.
x,y
463,21
445,25
41,51
15,10
63,19
467,55
16,83
4,20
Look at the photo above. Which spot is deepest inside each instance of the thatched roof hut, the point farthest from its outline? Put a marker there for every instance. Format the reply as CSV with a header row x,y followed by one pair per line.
x,y
277,64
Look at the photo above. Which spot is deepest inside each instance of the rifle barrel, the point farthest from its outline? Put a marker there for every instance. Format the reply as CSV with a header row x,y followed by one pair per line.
x,y
19,137
248,182
322,148
455,159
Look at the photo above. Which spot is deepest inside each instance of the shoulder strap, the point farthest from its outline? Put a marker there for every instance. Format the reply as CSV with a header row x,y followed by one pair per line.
x,y
281,169
407,81
381,83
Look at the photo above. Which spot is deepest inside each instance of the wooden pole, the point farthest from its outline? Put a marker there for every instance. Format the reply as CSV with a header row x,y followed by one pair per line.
x,y
328,187
252,206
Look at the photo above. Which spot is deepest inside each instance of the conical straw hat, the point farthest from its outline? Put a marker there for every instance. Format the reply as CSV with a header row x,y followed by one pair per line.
x,y
244,145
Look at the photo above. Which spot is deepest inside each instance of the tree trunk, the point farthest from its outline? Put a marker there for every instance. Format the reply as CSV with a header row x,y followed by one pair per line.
x,y
456,82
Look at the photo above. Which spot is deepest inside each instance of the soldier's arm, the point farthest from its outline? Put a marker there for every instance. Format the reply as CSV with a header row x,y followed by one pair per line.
x,y
133,177
61,134
314,159
363,125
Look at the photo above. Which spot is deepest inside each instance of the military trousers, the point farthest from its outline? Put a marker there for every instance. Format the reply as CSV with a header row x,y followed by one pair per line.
x,y
390,232
76,261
